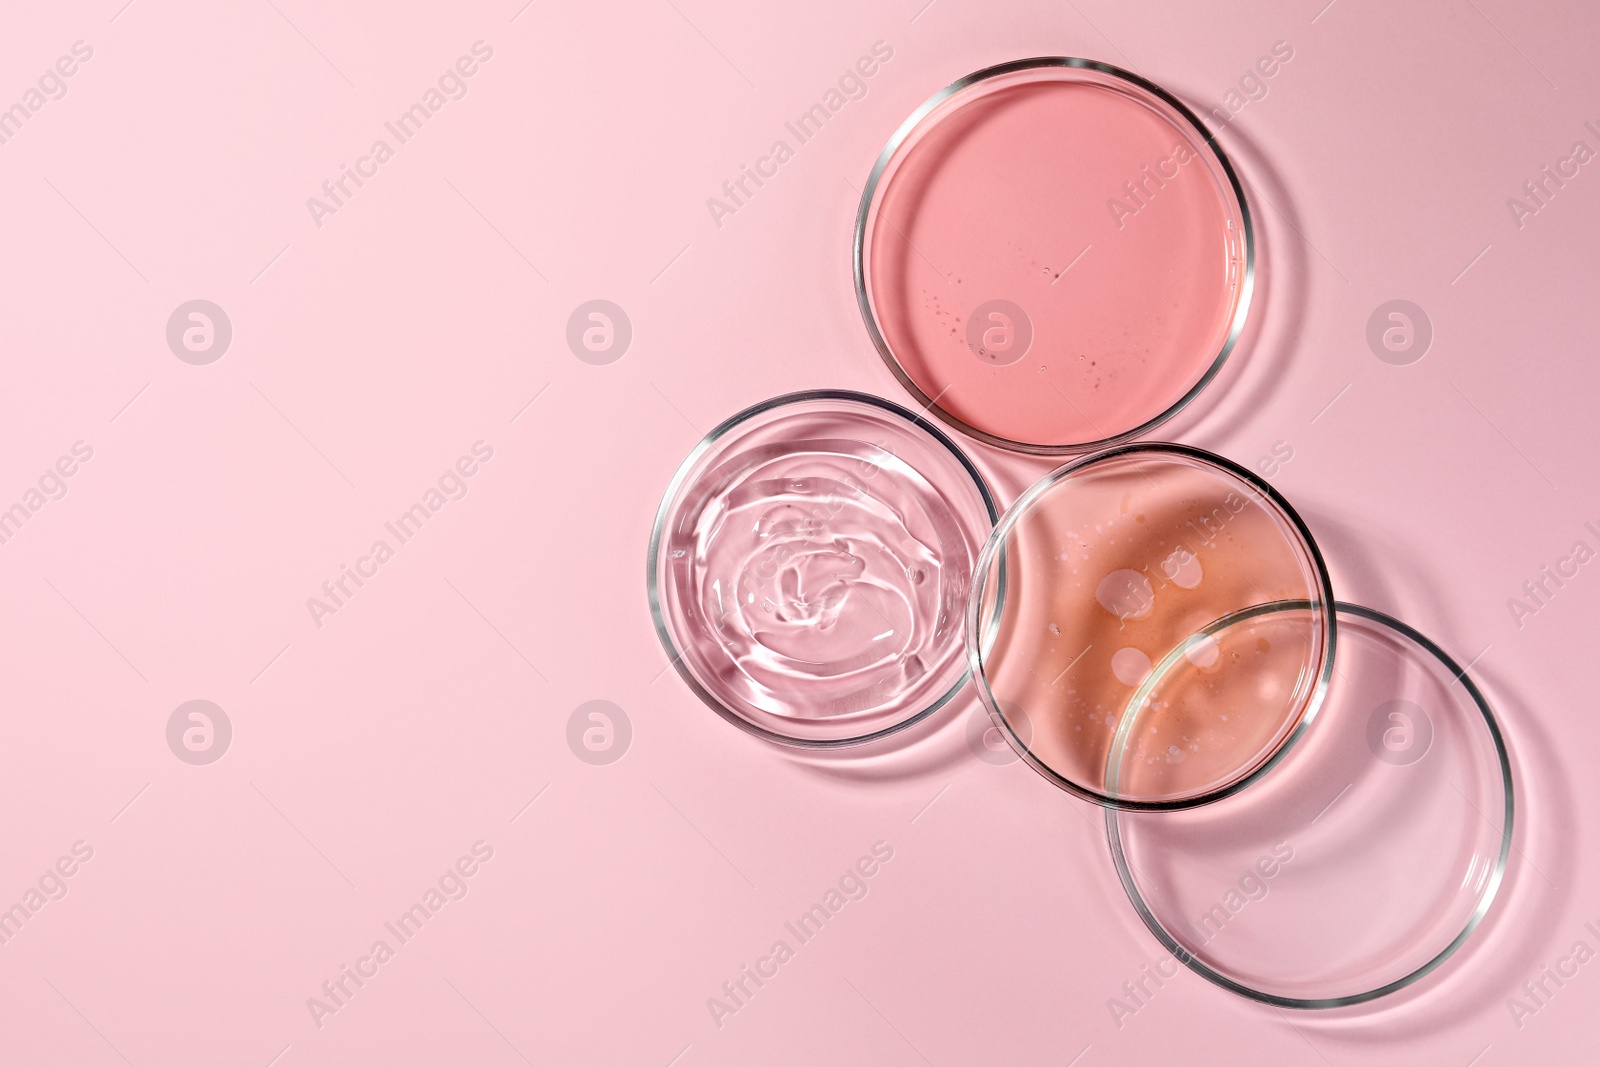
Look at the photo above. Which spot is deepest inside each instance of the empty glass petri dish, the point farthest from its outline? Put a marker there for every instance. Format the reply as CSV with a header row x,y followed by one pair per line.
x,y
1053,255
1364,860
1091,626
810,563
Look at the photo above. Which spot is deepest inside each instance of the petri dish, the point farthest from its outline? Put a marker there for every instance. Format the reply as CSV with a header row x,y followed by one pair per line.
x,y
1053,255
810,563
1112,569
1364,861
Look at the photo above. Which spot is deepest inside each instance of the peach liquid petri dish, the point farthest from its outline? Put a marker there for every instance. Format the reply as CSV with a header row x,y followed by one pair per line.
x,y
1092,635
1053,255
810,567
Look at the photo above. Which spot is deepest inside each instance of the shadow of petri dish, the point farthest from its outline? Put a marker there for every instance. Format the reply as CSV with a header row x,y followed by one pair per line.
x,y
809,568
1118,563
1053,255
1363,860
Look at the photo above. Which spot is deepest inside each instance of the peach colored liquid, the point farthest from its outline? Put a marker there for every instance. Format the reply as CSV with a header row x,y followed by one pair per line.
x,y
997,199
1116,572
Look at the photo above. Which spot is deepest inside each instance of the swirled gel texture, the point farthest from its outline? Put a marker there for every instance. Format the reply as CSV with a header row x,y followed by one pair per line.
x,y
814,567
1116,567
1055,257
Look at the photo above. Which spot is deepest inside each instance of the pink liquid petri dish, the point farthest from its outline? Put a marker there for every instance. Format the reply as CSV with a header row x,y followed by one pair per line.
x,y
1091,628
810,566
1053,255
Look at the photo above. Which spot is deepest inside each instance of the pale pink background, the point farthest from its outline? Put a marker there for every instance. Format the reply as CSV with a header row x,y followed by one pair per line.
x,y
375,750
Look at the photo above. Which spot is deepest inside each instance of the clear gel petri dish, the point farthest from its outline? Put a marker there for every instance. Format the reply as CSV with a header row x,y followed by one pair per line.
x,y
1364,860
1117,564
810,564
1053,255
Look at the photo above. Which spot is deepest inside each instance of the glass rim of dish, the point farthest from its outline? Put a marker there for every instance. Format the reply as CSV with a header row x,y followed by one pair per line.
x,y
993,557
675,488
1491,885
864,215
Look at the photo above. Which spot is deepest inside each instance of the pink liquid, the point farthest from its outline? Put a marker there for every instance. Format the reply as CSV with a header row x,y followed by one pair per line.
x,y
816,569
1011,183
